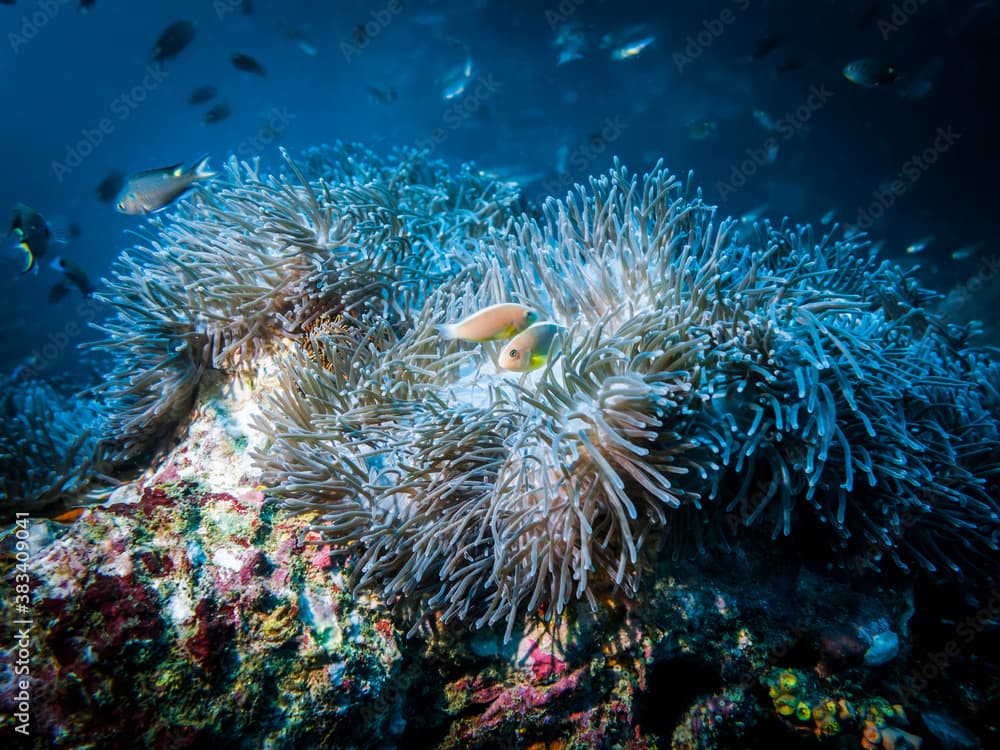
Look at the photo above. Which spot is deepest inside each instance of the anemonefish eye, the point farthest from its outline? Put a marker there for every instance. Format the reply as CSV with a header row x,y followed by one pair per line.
x,y
513,354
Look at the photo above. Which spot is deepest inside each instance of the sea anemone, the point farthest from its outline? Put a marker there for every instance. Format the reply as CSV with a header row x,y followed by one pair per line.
x,y
698,375
264,258
50,451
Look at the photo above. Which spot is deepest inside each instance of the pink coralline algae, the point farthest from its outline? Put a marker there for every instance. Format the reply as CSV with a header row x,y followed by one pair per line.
x,y
189,612
544,665
139,643
177,617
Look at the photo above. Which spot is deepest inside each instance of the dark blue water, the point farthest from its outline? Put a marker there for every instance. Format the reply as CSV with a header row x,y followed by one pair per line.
x,y
81,99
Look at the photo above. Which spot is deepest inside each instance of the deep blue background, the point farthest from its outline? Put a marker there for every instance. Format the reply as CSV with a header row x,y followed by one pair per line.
x,y
75,68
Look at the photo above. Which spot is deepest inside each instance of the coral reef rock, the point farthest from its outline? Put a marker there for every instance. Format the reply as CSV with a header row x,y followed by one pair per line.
x,y
711,518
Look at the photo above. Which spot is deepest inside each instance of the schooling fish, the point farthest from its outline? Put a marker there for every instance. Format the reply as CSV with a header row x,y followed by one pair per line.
x,y
768,44
702,129
383,94
74,273
59,290
571,41
201,95
173,40
788,64
31,234
529,350
300,39
147,192
920,245
869,72
110,186
966,251
493,323
632,48
456,80
248,64
218,113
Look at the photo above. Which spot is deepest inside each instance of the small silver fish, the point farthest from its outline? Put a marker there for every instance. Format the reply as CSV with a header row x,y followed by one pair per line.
x,y
966,251
571,41
155,189
299,39
754,213
456,80
307,47
919,245
869,72
529,350
701,130
493,323
632,49
764,120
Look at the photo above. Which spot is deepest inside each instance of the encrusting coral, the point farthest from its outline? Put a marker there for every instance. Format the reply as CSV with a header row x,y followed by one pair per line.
x,y
775,379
